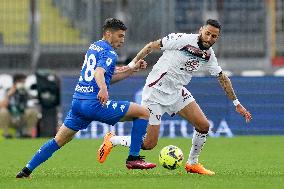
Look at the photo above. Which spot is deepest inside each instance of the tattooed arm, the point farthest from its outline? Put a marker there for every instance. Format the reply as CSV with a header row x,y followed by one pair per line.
x,y
226,84
150,47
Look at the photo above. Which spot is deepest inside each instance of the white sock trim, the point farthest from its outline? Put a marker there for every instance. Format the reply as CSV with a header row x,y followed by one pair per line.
x,y
121,140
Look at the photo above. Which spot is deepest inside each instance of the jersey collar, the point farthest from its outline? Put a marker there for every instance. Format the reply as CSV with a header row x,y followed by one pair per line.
x,y
108,44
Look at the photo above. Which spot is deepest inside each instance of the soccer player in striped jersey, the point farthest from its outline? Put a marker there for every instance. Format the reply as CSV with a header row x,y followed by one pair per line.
x,y
164,91
91,101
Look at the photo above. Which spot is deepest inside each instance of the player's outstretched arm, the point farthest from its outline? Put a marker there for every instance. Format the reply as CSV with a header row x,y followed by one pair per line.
x,y
150,47
122,72
226,84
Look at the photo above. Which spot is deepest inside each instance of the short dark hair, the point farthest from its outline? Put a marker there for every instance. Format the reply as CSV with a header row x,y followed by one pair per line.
x,y
18,77
113,24
214,23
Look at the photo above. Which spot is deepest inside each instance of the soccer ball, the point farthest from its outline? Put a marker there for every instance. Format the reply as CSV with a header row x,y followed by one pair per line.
x,y
171,157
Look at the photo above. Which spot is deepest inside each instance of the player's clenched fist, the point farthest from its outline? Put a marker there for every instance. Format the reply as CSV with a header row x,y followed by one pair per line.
x,y
141,64
103,96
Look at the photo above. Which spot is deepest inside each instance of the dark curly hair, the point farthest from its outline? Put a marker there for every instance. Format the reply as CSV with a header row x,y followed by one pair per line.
x,y
113,24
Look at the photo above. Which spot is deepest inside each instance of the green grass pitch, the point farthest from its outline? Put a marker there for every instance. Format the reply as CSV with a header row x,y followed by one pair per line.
x,y
240,162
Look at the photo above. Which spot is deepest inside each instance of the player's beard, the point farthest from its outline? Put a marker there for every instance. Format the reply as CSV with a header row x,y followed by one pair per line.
x,y
200,43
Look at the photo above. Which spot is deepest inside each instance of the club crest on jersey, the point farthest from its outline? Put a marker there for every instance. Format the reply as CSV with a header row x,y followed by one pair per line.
x,y
108,61
191,65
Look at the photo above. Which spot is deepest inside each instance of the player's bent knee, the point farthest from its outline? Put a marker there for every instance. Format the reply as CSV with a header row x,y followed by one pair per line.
x,y
138,111
144,113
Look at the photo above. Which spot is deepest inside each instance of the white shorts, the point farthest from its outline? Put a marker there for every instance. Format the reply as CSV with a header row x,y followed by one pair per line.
x,y
157,109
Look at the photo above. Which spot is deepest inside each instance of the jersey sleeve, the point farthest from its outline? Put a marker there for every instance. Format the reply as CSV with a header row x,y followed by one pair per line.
x,y
212,65
105,59
174,41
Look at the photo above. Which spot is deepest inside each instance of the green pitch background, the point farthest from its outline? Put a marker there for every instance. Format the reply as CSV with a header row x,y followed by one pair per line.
x,y
240,162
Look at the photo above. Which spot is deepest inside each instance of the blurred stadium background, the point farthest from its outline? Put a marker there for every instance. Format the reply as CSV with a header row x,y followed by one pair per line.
x,y
53,35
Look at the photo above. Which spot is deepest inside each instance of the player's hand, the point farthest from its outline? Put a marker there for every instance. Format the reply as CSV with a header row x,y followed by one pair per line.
x,y
246,114
140,64
103,96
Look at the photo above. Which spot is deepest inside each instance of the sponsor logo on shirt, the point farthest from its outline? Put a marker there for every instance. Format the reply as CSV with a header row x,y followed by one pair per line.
x,y
204,54
84,89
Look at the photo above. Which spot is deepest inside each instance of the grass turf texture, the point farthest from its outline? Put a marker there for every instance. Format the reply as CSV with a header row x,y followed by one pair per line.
x,y
240,162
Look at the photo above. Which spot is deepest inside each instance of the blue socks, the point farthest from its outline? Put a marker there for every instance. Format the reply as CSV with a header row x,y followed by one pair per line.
x,y
43,154
137,133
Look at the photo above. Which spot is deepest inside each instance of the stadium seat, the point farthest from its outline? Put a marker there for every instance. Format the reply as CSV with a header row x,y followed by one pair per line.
x,y
54,28
14,20
253,73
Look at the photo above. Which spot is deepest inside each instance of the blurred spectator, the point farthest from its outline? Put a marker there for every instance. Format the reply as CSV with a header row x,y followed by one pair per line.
x,y
14,112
